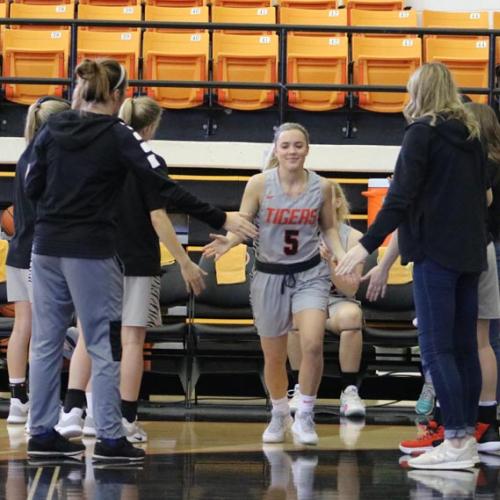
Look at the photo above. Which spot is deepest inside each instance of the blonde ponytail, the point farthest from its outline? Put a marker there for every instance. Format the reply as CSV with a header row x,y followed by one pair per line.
x,y
39,112
140,112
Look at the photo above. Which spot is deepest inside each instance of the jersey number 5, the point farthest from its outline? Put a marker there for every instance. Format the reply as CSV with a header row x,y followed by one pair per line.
x,y
291,242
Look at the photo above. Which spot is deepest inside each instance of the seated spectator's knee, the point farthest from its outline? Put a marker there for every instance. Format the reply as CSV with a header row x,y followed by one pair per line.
x,y
350,319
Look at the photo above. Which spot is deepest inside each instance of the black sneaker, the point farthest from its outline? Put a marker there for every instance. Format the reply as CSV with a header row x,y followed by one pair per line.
x,y
488,437
53,446
122,451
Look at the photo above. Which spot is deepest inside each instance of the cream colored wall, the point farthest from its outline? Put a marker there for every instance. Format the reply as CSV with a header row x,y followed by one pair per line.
x,y
245,155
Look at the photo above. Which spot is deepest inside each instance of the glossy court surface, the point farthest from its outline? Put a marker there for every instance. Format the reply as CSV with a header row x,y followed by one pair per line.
x,y
210,460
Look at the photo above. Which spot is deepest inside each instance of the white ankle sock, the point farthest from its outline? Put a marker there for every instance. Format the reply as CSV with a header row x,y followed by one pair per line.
x,y
306,403
281,405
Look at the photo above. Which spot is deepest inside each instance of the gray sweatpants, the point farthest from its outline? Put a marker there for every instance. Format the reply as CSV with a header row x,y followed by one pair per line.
x,y
94,288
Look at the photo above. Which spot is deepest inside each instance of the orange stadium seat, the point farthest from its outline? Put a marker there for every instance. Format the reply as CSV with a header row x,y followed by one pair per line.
x,y
109,13
4,8
176,3
386,19
45,2
384,61
464,20
112,3
319,17
313,59
242,3
176,14
36,54
30,11
123,46
248,15
176,56
309,4
466,58
374,4
250,58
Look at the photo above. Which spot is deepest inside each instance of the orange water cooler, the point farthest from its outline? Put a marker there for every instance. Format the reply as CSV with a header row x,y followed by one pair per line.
x,y
377,189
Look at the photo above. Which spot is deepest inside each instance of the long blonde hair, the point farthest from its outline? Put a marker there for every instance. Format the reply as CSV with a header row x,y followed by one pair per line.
x,y
490,128
433,92
271,160
39,112
140,112
343,210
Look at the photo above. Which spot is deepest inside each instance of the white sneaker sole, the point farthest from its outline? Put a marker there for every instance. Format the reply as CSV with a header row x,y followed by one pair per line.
x,y
462,464
104,458
89,432
489,446
54,453
17,420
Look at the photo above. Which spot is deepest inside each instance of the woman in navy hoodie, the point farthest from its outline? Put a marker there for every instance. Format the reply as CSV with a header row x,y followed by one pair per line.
x,y
437,201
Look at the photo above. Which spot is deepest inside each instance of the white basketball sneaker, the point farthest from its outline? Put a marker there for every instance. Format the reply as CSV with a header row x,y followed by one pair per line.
x,y
278,426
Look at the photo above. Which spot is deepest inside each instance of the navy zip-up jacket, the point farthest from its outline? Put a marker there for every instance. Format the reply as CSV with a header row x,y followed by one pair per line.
x,y
437,198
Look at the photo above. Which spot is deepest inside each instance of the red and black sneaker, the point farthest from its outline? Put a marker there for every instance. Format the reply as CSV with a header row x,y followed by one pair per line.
x,y
487,437
432,437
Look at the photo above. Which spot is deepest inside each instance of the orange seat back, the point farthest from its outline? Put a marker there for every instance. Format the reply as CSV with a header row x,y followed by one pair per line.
x,y
466,58
384,61
176,56
249,58
317,60
122,46
35,54
313,17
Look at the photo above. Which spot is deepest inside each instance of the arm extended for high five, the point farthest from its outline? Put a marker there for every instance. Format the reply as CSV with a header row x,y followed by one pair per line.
x,y
379,274
249,206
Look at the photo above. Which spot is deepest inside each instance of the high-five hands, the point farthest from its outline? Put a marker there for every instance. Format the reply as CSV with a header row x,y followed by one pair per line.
x,y
239,224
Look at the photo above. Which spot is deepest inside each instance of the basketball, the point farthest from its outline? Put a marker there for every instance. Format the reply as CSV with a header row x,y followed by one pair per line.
x,y
7,221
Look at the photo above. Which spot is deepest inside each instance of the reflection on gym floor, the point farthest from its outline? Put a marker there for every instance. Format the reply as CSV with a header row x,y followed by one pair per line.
x,y
196,460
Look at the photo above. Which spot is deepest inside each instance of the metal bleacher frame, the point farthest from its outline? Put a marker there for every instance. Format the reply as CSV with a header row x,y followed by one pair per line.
x,y
281,86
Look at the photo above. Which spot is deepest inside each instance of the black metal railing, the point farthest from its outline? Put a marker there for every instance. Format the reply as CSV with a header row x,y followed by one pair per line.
x,y
282,86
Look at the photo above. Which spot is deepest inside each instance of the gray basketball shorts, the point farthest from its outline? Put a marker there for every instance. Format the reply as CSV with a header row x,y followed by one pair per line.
x,y
141,306
19,286
335,301
488,292
273,310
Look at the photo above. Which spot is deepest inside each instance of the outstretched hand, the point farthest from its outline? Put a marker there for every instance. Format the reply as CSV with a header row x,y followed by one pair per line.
x,y
377,286
356,255
218,247
239,224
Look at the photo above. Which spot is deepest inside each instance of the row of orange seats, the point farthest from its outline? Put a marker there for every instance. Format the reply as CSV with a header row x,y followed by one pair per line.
x,y
245,58
309,4
252,15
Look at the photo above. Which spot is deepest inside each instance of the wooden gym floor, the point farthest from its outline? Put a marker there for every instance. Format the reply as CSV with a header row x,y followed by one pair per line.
x,y
221,460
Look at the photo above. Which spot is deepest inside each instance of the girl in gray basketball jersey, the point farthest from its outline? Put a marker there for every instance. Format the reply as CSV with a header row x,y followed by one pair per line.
x,y
291,283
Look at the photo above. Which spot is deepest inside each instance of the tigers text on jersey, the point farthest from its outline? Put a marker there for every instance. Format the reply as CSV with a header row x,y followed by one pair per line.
x,y
288,225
